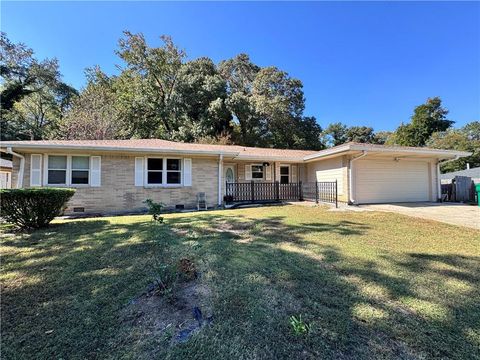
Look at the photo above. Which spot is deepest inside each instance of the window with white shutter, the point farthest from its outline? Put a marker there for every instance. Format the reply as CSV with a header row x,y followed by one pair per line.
x,y
187,172
139,171
95,171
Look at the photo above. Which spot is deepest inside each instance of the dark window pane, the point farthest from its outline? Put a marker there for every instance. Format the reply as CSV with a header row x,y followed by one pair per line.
x,y
284,179
173,164
57,176
155,164
257,175
257,168
154,177
79,177
173,177
284,170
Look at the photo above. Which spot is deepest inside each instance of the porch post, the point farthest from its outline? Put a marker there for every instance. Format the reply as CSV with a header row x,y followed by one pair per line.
x,y
220,175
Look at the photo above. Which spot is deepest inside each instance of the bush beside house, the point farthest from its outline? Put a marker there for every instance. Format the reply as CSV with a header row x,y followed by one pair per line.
x,y
33,208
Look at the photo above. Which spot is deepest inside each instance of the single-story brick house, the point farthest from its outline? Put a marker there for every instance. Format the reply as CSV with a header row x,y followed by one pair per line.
x,y
118,175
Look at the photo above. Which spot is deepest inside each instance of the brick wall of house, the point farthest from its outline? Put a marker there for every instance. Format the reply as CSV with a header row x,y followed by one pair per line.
x,y
117,191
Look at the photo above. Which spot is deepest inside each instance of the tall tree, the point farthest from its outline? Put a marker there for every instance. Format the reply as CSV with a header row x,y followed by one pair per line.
x,y
94,114
466,138
33,97
239,74
427,118
152,73
360,134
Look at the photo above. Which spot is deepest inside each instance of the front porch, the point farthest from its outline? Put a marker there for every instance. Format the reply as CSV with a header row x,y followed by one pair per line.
x,y
264,192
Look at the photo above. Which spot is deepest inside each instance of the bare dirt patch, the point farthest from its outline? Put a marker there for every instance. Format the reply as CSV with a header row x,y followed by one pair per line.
x,y
174,318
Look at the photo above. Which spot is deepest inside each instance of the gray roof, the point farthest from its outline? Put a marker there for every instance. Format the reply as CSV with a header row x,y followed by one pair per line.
x,y
5,163
473,173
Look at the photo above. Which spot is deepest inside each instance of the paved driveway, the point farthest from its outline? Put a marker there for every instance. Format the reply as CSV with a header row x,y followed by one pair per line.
x,y
450,213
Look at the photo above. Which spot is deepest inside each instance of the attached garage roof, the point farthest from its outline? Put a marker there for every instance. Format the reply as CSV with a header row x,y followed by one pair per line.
x,y
399,151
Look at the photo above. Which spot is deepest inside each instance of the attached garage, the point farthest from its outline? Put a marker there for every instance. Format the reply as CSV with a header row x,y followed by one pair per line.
x,y
391,180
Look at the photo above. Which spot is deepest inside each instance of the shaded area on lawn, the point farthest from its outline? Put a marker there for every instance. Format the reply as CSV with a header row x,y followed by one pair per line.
x,y
363,298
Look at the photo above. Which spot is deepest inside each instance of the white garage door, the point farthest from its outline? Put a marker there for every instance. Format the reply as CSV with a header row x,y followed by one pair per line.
x,y
381,181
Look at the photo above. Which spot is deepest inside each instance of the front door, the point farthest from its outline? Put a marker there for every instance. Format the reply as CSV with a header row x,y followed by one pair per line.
x,y
229,174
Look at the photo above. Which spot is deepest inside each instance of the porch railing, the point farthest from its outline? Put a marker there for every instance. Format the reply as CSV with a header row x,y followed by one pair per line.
x,y
275,191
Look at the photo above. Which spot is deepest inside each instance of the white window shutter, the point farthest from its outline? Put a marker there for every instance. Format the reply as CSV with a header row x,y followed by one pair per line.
x,y
139,171
95,171
248,172
293,175
268,173
36,170
187,172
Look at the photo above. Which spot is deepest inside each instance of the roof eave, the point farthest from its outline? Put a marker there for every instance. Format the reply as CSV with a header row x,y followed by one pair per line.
x,y
116,149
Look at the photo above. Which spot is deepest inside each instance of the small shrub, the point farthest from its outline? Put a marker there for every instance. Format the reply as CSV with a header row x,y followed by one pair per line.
x,y
187,268
299,326
33,208
155,209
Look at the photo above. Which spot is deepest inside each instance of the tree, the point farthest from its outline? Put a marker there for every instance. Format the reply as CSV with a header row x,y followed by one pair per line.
x,y
426,119
335,134
201,95
382,137
93,115
150,80
239,74
33,97
360,134
466,138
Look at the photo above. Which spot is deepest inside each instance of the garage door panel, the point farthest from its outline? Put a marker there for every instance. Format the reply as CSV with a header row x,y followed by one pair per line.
x,y
391,181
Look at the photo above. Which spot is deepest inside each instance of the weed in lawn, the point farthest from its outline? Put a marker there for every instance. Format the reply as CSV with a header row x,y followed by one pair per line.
x,y
299,327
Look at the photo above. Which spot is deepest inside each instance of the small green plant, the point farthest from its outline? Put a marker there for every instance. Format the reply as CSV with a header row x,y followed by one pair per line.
x,y
155,209
299,326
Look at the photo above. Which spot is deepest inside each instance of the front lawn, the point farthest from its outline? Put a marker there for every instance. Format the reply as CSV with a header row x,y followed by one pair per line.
x,y
367,284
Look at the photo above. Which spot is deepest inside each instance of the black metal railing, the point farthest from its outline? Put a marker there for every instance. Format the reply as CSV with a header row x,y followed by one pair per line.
x,y
325,191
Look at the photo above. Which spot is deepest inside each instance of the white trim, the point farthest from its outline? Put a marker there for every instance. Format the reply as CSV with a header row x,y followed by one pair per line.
x,y
37,171
68,176
220,175
95,175
187,171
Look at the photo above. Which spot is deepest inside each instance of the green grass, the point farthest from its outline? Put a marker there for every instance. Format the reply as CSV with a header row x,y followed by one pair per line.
x,y
369,285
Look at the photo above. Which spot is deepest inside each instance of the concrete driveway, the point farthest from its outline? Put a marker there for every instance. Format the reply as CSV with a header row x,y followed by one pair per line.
x,y
450,213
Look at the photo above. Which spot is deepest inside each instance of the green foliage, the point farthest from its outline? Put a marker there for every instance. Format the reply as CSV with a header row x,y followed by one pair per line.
x,y
155,209
33,97
426,119
466,138
299,327
337,133
33,208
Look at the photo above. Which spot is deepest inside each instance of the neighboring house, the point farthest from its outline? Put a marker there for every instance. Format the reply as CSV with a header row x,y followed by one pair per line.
x,y
118,175
473,173
5,174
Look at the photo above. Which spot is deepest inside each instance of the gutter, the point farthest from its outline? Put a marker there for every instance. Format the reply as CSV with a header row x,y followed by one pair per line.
x,y
350,176
22,166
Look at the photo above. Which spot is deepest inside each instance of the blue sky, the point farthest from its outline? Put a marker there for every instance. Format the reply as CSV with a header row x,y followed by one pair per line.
x,y
363,63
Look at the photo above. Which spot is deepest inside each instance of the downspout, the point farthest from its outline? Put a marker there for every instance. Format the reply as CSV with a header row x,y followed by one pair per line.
x,y
439,181
220,175
350,177
21,169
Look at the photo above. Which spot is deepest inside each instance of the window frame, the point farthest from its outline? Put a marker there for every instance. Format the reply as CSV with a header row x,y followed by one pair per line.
x,y
263,172
164,171
68,177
